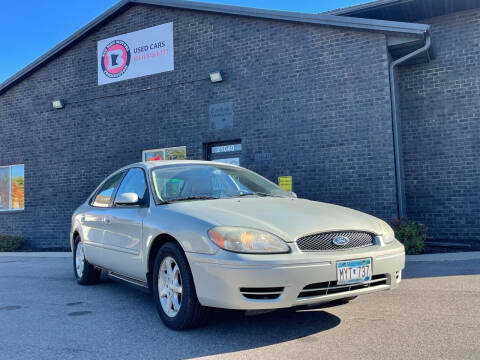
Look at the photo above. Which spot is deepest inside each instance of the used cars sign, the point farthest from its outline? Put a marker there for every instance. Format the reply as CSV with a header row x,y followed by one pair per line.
x,y
139,53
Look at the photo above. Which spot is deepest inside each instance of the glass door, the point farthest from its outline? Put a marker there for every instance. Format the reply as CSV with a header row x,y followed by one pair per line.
x,y
225,152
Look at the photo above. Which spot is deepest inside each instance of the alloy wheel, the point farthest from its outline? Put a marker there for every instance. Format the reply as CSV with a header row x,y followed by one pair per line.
x,y
79,259
170,286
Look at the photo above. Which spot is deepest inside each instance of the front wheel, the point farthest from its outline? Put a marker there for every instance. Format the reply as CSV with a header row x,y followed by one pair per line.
x,y
85,273
174,290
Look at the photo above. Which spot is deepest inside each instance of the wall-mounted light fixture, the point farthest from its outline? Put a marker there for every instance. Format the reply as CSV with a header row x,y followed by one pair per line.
x,y
58,104
216,76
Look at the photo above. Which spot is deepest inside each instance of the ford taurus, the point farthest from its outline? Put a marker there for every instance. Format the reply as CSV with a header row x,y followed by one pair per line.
x,y
203,235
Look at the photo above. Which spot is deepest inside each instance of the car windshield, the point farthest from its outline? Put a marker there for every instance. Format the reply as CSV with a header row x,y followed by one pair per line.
x,y
213,181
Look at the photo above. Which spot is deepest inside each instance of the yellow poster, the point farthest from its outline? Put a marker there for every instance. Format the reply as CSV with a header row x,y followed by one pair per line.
x,y
285,182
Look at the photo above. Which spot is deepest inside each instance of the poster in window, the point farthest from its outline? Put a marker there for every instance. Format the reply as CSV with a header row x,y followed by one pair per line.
x,y
154,155
174,153
18,187
4,187
177,153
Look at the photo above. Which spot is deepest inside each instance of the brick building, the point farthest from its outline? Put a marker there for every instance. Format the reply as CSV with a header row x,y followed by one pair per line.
x,y
439,114
356,106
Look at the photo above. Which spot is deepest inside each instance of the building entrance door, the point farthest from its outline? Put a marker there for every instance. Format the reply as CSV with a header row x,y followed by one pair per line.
x,y
225,152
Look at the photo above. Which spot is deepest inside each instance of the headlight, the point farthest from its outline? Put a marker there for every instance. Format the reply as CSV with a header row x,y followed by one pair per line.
x,y
387,232
244,240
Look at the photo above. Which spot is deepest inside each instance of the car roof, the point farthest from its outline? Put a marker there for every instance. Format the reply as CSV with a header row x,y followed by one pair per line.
x,y
153,164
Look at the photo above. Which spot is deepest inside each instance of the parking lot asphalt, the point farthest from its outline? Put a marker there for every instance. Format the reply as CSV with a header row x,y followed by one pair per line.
x,y
44,314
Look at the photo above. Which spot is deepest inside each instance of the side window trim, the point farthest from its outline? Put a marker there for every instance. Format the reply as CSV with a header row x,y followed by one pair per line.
x,y
147,194
114,193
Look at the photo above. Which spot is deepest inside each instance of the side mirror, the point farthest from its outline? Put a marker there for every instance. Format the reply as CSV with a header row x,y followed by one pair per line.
x,y
293,194
128,199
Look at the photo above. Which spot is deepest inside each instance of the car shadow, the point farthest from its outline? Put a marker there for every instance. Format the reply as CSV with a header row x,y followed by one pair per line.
x,y
227,331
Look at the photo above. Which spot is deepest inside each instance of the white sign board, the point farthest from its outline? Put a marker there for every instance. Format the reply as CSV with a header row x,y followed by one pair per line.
x,y
140,53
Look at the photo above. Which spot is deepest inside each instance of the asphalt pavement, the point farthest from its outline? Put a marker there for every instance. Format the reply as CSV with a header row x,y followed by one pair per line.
x,y
44,314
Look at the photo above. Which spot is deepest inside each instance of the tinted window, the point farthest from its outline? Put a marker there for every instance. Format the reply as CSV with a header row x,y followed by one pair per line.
x,y
134,182
103,197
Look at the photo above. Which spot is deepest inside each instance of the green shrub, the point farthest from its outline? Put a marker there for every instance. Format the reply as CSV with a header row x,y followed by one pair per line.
x,y
10,243
411,234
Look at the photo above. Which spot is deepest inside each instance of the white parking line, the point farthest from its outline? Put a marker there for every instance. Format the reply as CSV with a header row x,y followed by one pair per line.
x,y
37,254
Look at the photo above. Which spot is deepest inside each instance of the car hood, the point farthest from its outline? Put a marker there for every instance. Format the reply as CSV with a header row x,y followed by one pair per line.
x,y
289,218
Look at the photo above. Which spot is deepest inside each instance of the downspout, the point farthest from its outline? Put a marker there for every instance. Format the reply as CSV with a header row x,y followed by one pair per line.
x,y
401,208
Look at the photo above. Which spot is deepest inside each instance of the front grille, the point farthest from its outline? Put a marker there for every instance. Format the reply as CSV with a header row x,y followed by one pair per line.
x,y
324,241
331,287
267,293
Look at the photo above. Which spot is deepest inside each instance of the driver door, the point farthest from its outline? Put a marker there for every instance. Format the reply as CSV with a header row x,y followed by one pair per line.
x,y
123,238
95,222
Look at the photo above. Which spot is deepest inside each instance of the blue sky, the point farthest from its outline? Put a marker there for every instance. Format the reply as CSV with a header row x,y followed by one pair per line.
x,y
29,28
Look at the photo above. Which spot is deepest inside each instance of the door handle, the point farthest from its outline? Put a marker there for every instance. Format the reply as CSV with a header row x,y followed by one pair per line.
x,y
107,221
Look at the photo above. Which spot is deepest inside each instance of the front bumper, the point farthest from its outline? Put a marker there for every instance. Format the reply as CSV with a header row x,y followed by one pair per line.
x,y
254,282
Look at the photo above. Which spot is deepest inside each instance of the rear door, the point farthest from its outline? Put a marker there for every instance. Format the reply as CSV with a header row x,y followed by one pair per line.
x,y
122,241
95,220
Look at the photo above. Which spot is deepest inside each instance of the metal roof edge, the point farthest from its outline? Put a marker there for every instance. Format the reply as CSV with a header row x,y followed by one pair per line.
x,y
320,19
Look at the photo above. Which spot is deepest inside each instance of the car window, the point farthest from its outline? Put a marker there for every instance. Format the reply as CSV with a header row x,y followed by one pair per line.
x,y
177,182
134,182
104,195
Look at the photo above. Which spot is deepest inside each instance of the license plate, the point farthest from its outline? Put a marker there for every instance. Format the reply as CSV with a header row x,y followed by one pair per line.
x,y
354,271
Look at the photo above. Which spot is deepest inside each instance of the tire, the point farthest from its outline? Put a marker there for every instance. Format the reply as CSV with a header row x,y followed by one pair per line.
x,y
178,305
85,273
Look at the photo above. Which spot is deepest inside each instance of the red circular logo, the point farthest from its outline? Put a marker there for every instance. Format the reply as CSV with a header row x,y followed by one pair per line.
x,y
115,59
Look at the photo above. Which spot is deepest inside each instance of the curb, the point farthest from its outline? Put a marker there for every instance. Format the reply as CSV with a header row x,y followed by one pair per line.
x,y
37,254
458,256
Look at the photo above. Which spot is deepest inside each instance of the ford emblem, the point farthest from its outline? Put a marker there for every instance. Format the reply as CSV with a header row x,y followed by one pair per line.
x,y
340,240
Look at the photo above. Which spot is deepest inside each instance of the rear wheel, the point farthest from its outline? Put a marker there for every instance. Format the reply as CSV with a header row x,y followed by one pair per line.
x,y
174,290
85,273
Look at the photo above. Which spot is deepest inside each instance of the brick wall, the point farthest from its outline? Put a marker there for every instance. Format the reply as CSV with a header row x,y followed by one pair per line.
x,y
315,97
441,126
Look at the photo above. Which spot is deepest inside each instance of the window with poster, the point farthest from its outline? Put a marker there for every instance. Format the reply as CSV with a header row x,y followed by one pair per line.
x,y
12,188
173,153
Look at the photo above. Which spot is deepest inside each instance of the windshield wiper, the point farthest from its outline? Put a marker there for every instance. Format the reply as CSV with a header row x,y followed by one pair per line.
x,y
257,193
191,198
